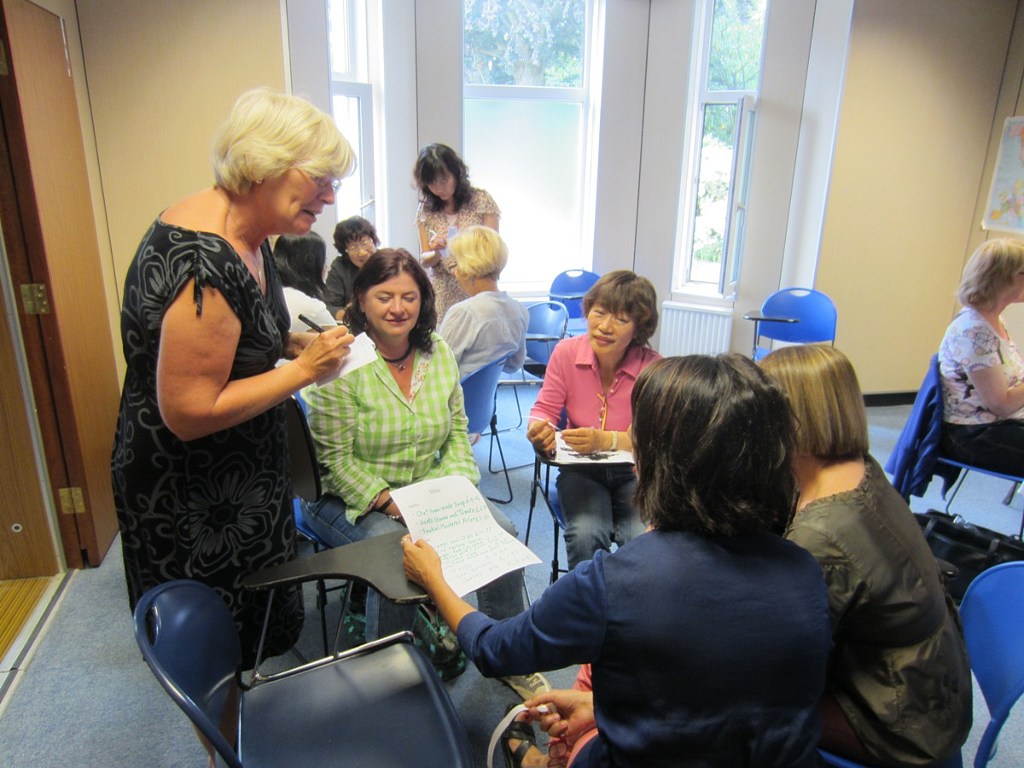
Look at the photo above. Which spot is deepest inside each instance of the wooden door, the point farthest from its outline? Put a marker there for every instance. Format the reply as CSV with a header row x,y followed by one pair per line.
x,y
70,355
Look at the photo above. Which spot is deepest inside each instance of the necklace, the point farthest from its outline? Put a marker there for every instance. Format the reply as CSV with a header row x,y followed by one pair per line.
x,y
400,361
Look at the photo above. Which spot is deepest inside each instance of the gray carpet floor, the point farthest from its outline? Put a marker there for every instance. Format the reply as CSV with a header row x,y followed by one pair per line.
x,y
84,696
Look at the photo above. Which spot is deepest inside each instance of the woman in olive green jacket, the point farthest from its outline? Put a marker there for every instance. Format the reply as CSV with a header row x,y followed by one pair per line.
x,y
899,689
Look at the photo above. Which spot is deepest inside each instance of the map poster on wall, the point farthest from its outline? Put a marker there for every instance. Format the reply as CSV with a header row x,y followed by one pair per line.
x,y
1005,210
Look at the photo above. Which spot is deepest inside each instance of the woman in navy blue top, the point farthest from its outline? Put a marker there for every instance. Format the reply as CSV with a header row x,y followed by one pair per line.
x,y
708,635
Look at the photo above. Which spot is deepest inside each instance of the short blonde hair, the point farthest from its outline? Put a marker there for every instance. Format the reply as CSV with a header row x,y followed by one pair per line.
x,y
823,391
479,251
991,268
268,133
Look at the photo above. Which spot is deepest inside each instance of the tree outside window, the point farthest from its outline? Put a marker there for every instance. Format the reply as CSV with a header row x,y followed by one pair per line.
x,y
526,134
733,39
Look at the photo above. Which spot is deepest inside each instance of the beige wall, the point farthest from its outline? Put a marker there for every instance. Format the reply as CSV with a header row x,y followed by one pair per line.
x,y
162,76
920,103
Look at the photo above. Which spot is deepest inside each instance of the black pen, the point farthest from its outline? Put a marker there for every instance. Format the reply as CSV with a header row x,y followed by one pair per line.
x,y
311,324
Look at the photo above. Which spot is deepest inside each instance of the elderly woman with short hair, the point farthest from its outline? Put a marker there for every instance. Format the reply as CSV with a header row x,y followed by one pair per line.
x,y
490,324
200,460
981,368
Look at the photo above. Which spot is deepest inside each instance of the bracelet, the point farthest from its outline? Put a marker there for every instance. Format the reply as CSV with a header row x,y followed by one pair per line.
x,y
383,509
615,441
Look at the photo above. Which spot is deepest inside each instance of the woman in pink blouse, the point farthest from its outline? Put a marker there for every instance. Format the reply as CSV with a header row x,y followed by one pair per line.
x,y
591,379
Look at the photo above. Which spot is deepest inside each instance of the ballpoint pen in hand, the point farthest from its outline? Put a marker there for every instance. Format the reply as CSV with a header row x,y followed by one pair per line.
x,y
311,324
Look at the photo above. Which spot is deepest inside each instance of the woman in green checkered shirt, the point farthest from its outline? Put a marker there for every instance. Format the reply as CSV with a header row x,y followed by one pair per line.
x,y
394,422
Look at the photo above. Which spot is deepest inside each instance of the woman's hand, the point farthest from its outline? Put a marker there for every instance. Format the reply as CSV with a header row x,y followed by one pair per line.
x,y
325,352
570,715
587,439
421,563
294,343
542,435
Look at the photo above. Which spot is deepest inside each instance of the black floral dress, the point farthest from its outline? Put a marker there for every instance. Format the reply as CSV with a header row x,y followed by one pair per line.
x,y
217,508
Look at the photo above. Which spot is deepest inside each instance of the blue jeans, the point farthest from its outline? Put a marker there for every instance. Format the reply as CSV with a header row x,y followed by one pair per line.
x,y
597,503
501,599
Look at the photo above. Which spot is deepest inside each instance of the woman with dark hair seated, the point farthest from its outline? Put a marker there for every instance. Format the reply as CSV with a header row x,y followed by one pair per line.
x,y
300,262
356,240
590,378
708,635
394,422
899,683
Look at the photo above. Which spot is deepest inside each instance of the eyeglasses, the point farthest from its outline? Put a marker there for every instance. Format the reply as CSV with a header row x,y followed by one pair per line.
x,y
364,244
323,182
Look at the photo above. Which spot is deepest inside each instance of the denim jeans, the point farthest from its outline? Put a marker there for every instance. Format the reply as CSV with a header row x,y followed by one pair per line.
x,y
501,599
597,503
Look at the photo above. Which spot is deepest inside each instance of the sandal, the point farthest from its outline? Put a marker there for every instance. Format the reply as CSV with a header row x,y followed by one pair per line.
x,y
524,733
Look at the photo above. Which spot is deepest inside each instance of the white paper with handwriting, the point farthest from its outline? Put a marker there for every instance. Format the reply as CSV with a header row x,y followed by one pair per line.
x,y
452,515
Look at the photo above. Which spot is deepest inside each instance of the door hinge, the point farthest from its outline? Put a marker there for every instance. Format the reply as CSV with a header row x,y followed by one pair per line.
x,y
72,502
34,299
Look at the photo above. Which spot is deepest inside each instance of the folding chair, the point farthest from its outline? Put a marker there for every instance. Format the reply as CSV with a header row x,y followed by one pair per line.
x,y
338,711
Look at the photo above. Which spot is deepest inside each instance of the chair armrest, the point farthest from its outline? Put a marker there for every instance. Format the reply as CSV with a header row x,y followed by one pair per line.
x,y
564,296
757,317
375,562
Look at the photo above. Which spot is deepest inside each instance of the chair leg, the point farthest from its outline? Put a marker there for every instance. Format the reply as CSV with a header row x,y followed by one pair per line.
x,y
1008,499
956,489
501,453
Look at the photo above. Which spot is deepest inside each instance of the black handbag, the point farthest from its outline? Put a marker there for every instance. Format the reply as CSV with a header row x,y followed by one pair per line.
x,y
969,548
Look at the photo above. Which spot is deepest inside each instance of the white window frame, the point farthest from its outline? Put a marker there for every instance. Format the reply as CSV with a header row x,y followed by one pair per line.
x,y
733,237
586,99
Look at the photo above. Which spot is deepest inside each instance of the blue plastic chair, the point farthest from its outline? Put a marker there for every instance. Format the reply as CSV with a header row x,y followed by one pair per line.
x,y
795,315
546,327
841,762
569,288
543,486
992,612
338,711
479,390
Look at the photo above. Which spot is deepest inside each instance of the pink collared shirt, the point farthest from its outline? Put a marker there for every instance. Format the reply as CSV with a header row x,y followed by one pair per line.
x,y
573,381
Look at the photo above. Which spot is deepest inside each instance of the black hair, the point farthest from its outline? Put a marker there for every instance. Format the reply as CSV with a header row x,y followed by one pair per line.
x,y
300,262
434,162
713,439
353,228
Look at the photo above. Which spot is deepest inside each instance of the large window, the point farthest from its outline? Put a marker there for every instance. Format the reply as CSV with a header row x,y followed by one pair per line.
x,y
718,147
352,102
527,78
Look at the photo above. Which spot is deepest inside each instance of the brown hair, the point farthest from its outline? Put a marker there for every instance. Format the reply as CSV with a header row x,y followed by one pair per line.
x,y
822,387
623,292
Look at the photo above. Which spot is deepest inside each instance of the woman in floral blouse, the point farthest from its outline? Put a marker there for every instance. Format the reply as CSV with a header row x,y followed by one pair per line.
x,y
982,370
448,203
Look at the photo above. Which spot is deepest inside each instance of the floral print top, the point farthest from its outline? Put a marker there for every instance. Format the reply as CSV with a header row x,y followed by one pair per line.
x,y
971,344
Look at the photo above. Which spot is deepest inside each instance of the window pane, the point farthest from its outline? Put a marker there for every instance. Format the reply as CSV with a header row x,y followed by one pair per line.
x,y
346,115
712,208
737,31
527,154
524,42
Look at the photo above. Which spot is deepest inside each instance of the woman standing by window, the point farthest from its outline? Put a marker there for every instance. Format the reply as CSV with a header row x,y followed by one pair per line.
x,y
448,203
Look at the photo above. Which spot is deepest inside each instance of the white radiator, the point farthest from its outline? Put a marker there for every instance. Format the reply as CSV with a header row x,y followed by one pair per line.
x,y
693,329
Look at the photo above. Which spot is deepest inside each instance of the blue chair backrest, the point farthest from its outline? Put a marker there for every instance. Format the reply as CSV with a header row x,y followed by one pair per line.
x,y
570,287
188,638
478,390
992,612
548,319
814,310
